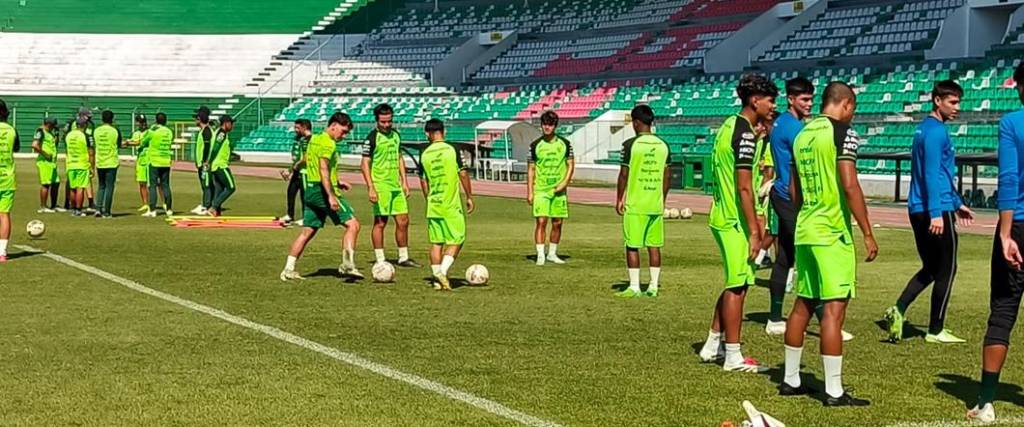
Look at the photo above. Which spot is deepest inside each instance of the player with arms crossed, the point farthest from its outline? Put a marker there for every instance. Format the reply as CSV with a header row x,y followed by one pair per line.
x,y
323,199
384,173
443,173
826,191
44,143
549,173
157,143
108,141
640,200
9,143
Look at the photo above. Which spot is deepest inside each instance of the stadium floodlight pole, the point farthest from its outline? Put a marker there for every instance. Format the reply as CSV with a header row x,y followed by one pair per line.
x,y
435,6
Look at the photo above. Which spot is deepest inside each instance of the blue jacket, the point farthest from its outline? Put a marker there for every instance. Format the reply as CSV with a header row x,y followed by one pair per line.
x,y
932,170
783,134
1011,160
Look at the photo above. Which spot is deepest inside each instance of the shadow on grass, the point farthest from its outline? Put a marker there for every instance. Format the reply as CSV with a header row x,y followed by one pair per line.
x,y
533,257
909,331
23,254
455,283
966,389
775,375
333,272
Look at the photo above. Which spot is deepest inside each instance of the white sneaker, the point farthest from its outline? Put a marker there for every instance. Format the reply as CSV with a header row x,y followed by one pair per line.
x,y
775,328
847,336
555,259
45,210
59,209
198,210
287,275
986,414
748,364
286,219
150,214
170,213
298,223
540,259
708,356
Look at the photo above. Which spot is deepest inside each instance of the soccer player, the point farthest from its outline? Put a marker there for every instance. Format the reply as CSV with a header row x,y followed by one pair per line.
x,y
733,218
9,143
826,191
108,141
384,173
1007,279
141,161
203,141
44,143
548,175
443,172
762,184
297,171
223,180
79,163
323,199
83,115
157,143
640,199
934,206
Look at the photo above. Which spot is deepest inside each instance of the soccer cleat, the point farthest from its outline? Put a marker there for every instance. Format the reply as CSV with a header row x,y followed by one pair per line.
x,y
847,337
44,210
766,262
442,282
895,320
555,259
287,275
787,390
298,223
198,210
287,219
709,357
409,263
540,260
944,337
775,328
98,215
169,213
3,258
356,274
985,414
749,364
61,210
845,400
149,214
143,208
628,293
651,292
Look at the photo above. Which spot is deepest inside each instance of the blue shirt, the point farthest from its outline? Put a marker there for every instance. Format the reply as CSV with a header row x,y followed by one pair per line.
x,y
787,126
932,170
1011,158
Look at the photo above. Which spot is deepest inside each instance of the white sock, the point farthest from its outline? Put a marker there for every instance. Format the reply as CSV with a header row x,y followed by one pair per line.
x,y
446,263
435,269
3,247
714,341
290,264
789,277
348,257
655,275
540,250
634,279
792,372
379,254
552,250
833,375
403,254
760,256
733,356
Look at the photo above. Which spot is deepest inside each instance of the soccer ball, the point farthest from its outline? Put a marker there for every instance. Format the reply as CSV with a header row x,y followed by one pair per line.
x,y
383,272
35,229
666,213
686,213
673,213
477,275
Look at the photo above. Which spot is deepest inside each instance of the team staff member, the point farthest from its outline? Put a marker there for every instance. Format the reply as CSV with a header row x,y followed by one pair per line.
x,y
107,139
44,143
549,172
9,143
203,142
934,205
297,171
443,173
384,173
219,167
157,143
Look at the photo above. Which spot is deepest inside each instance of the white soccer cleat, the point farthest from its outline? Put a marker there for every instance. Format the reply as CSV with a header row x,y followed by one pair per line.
x,y
775,328
748,364
847,336
298,223
169,213
540,260
45,210
286,219
287,275
708,356
555,259
198,210
149,214
985,415
757,418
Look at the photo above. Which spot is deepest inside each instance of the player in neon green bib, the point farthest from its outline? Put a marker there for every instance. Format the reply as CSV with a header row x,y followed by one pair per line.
x,y
141,160
157,143
827,191
383,171
640,200
79,163
763,180
9,143
549,173
223,180
323,199
442,173
44,143
733,218
108,141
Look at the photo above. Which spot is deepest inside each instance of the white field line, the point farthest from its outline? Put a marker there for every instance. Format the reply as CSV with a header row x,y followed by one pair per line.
x,y
349,358
962,423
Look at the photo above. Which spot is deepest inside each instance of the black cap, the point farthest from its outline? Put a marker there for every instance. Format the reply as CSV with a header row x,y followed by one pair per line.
x,y
202,113
52,121
227,119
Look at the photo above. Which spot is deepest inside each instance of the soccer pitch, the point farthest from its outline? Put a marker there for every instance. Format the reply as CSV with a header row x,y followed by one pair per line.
x,y
548,342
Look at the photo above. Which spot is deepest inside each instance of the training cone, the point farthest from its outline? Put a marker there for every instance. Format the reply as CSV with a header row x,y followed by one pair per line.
x,y
758,418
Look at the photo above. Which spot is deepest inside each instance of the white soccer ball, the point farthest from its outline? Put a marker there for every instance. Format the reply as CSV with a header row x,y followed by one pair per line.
x,y
666,213
477,275
383,272
673,213
686,213
35,229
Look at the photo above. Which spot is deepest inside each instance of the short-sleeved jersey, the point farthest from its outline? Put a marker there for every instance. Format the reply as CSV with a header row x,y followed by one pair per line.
x,y
441,166
1010,195
8,144
203,141
736,147
383,151
222,145
787,126
140,154
47,144
78,150
322,146
107,139
824,216
158,142
550,160
646,156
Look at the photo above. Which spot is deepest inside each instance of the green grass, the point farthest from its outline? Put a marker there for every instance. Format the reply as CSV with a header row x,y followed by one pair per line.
x,y
551,341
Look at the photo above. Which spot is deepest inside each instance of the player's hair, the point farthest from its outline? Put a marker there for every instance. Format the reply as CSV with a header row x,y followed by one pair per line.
x,y
947,88
433,125
141,118
799,86
161,119
382,110
752,85
107,116
643,114
1018,74
226,119
3,110
304,123
837,92
341,119
549,118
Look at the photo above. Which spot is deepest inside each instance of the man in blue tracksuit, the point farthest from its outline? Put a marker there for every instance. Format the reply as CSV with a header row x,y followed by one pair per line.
x,y
934,206
1007,278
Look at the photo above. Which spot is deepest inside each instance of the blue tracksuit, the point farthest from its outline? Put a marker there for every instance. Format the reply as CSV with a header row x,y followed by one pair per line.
x,y
932,170
783,134
1011,164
